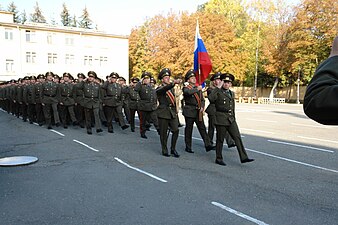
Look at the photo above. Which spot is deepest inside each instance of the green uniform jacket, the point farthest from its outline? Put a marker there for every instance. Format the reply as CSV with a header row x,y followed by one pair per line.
x,y
29,94
225,106
134,98
211,109
38,90
92,94
166,109
50,93
112,94
66,94
148,98
321,96
191,108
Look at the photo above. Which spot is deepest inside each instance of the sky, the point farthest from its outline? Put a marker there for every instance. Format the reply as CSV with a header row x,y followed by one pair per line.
x,y
112,16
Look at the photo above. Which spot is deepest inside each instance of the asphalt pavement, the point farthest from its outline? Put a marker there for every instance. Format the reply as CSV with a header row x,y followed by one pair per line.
x,y
121,178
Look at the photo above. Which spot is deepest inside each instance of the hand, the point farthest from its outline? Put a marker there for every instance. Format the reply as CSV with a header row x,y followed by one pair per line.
x,y
199,88
334,50
220,84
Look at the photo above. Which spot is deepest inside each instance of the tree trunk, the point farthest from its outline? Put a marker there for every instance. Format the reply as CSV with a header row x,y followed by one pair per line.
x,y
272,92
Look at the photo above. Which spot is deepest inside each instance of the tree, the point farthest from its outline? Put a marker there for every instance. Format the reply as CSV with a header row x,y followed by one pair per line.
x,y
23,17
65,16
85,21
37,16
12,8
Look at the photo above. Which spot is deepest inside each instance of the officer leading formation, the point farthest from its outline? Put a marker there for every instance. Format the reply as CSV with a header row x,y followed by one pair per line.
x,y
89,101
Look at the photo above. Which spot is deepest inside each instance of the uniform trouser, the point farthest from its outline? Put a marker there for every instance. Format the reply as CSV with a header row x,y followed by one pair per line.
x,y
164,133
24,111
39,113
132,118
189,125
126,111
110,111
79,112
31,112
66,112
47,112
211,131
235,134
88,116
147,116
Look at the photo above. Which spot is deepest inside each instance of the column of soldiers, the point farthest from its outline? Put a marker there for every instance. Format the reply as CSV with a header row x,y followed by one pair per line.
x,y
89,101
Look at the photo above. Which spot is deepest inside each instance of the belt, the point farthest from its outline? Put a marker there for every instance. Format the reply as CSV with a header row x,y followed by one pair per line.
x,y
50,95
65,95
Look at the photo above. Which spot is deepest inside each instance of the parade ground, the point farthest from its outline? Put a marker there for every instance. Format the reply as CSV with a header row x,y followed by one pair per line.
x,y
121,178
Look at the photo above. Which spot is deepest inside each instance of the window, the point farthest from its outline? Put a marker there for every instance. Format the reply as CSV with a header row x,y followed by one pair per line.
x,y
30,57
9,65
8,34
69,59
103,60
30,36
69,41
52,58
88,60
50,38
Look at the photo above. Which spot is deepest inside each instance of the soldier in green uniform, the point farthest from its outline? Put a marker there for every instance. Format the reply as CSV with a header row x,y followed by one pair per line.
x,y
50,98
193,112
148,103
224,100
78,97
112,102
125,98
38,105
30,99
166,112
211,111
91,101
134,99
67,101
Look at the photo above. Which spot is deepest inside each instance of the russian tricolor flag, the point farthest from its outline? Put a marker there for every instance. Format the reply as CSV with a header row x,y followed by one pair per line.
x,y
202,62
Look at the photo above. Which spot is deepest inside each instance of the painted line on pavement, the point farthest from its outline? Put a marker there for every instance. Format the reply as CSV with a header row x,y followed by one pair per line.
x,y
237,213
139,170
57,132
308,125
301,146
294,161
95,150
268,121
260,131
317,139
36,124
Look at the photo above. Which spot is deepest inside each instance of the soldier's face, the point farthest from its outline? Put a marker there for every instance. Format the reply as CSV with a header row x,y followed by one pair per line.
x,y
146,80
217,82
166,79
192,80
49,77
227,84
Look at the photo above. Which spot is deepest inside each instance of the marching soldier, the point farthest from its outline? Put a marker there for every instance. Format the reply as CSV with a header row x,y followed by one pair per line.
x,y
112,102
224,100
50,98
125,98
67,101
91,101
30,99
167,112
148,103
38,105
193,112
211,111
134,98
78,97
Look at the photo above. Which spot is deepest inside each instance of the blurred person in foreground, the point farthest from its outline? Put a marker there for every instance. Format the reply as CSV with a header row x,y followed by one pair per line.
x,y
320,100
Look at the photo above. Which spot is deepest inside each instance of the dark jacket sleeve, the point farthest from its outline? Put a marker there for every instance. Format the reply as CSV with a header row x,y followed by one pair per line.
x,y
321,96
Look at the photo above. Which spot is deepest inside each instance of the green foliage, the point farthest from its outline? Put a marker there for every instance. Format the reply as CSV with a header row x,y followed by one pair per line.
x,y
85,21
65,16
37,15
12,8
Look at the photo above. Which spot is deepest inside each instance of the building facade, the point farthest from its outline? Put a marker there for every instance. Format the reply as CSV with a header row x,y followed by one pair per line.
x,y
34,48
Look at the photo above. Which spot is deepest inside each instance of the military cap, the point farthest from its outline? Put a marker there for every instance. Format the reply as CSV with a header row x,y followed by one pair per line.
x,y
228,77
41,76
56,76
81,75
135,79
122,78
164,72
114,75
152,80
190,73
50,74
32,78
66,75
146,75
217,75
26,78
92,74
